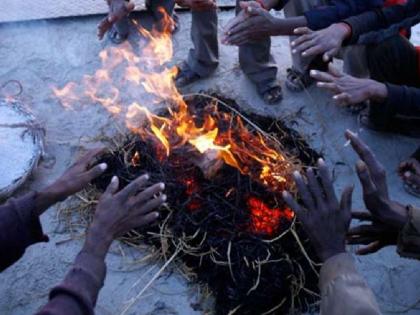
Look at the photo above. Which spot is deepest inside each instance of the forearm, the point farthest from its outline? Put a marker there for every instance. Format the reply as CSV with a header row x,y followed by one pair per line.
x,y
78,293
285,27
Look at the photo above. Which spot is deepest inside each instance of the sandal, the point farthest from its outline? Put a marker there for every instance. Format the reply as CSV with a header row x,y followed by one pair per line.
x,y
115,37
185,75
270,92
297,81
409,171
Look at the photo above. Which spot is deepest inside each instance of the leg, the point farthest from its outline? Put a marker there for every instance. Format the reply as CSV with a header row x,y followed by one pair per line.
x,y
393,61
298,76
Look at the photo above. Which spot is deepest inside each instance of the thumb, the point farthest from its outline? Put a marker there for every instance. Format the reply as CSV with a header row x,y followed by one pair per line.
x,y
130,6
113,186
334,71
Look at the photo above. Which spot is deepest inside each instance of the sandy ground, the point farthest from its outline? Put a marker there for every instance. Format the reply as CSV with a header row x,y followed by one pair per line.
x,y
45,53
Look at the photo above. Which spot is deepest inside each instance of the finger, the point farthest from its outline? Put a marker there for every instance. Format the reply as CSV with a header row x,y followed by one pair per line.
x,y
363,240
327,183
363,230
146,219
334,71
239,38
364,177
292,203
362,216
304,193
345,202
342,99
130,6
371,248
151,205
315,189
239,28
313,51
365,153
321,76
148,193
113,186
302,31
329,55
134,187
94,172
301,40
90,157
330,86
103,27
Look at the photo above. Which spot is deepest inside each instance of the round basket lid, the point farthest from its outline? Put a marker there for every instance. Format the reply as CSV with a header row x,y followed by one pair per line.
x,y
21,146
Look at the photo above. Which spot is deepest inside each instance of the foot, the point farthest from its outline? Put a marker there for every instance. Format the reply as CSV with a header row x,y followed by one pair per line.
x,y
410,173
185,76
115,37
271,92
297,81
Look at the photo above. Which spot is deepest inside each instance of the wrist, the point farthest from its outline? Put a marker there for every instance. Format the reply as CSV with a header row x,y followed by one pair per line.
x,y
97,242
45,199
343,29
378,91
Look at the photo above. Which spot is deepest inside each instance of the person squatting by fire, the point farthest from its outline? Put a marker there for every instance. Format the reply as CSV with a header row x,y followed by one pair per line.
x,y
381,82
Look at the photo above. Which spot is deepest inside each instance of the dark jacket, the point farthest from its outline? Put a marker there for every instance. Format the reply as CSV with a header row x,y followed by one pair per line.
x,y
19,228
336,10
374,27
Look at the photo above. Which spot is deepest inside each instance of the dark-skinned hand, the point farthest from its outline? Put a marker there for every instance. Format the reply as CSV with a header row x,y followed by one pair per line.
x,y
198,5
325,219
252,24
76,178
326,42
349,90
118,9
386,217
120,211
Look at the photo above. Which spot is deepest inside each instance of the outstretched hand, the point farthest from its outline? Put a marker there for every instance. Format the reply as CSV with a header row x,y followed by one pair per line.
x,y
325,219
252,24
326,42
386,217
118,9
349,90
120,211
76,178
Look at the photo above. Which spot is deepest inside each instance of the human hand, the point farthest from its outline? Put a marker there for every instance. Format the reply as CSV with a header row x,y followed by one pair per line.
x,y
118,9
198,5
327,41
77,177
386,217
349,90
325,219
118,212
252,24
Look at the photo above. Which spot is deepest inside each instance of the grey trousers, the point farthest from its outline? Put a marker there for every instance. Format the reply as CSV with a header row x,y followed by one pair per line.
x,y
122,26
255,59
354,57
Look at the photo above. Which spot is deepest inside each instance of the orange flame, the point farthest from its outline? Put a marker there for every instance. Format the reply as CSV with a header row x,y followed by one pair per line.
x,y
250,152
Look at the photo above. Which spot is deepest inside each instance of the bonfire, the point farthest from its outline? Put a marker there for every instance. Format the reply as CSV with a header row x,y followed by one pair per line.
x,y
225,223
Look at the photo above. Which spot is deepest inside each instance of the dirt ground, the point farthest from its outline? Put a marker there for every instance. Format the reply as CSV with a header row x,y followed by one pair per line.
x,y
43,54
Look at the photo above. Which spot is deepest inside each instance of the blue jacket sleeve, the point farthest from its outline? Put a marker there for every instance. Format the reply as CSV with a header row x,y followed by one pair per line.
x,y
323,16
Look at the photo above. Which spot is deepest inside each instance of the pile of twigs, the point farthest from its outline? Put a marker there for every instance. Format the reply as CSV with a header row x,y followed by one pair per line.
x,y
207,225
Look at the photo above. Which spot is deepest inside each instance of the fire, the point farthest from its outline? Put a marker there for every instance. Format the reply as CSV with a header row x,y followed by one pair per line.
x,y
147,70
265,220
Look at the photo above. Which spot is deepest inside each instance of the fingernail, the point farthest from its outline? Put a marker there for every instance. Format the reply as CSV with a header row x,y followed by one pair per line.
x,y
162,186
296,174
146,176
103,166
293,43
304,53
361,166
114,179
294,51
157,214
321,162
407,174
164,198
335,97
285,194
320,84
313,72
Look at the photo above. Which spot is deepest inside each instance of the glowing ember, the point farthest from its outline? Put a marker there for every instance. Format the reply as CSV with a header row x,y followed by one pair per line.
x,y
265,220
135,161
